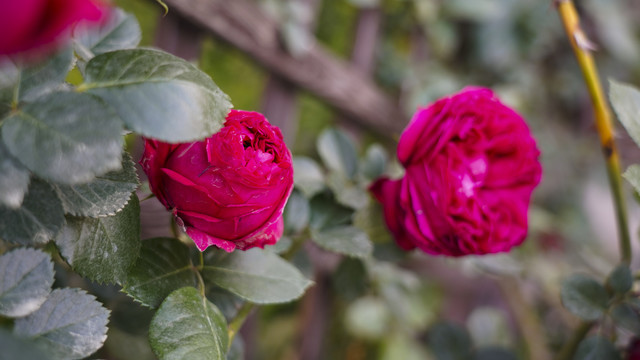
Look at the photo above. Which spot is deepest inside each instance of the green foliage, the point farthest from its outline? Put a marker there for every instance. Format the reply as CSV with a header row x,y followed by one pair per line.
x,y
449,342
188,327
120,31
308,176
45,77
626,103
26,276
338,152
103,196
77,334
397,346
368,318
347,240
66,137
625,316
632,174
14,347
14,179
596,347
494,353
180,102
584,297
326,213
102,249
620,280
37,220
163,266
375,162
296,213
255,275
350,279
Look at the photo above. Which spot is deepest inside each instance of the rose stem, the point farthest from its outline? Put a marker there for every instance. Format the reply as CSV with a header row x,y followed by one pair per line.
x,y
236,323
241,315
528,321
582,49
566,353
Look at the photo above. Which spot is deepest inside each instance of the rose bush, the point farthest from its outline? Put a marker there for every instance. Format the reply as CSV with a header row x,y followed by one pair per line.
x,y
228,190
38,25
471,166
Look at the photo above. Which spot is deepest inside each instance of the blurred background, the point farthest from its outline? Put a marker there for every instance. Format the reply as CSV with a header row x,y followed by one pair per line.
x,y
364,66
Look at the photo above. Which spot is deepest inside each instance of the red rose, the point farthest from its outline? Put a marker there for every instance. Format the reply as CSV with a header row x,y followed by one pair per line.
x,y
633,349
471,165
228,190
39,24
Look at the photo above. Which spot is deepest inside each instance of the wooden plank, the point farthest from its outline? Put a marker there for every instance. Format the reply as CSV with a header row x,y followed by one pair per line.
x,y
245,26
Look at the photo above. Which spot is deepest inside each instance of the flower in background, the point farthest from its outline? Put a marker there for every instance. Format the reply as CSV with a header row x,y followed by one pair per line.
x,y
228,190
471,166
38,26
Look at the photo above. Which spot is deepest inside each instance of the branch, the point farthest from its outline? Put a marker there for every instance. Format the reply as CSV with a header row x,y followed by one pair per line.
x,y
246,27
582,48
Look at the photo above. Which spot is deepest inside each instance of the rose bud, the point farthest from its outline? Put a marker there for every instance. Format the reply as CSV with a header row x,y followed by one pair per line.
x,y
471,166
40,25
228,190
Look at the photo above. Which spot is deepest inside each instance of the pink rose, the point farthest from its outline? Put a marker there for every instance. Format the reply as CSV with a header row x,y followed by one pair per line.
x,y
228,190
471,165
38,25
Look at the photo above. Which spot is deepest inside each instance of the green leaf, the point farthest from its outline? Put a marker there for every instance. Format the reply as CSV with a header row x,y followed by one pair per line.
x,y
104,196
157,94
347,240
14,179
236,351
626,103
9,79
71,324
45,77
26,276
449,341
620,279
120,31
307,176
494,353
397,345
347,192
103,249
256,275
187,326
66,137
368,318
296,213
350,279
625,316
227,303
375,162
584,297
632,175
338,152
326,213
37,220
15,348
596,348
163,266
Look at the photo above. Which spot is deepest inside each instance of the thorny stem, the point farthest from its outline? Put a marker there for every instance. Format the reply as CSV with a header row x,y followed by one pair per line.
x,y
566,353
238,320
236,323
582,49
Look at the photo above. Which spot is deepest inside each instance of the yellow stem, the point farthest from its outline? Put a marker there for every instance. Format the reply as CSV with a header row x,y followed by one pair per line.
x,y
582,48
